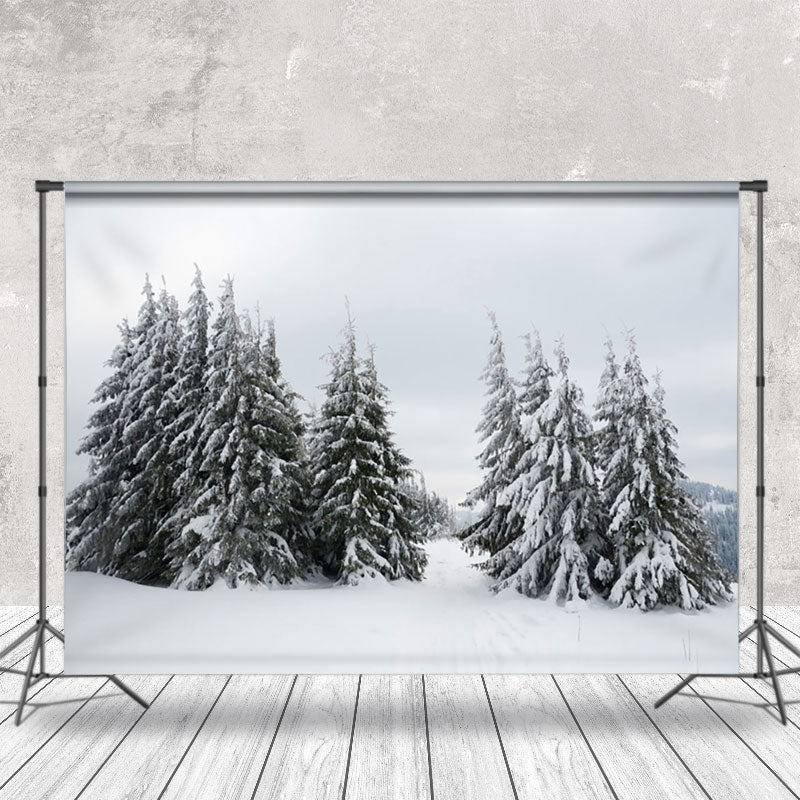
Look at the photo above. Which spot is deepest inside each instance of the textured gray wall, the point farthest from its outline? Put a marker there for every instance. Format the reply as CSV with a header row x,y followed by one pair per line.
x,y
400,89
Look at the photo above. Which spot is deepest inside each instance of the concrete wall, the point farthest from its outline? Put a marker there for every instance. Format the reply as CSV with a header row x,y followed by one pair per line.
x,y
407,89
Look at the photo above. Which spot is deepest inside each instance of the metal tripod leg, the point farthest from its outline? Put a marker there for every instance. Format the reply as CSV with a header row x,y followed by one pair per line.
x,y
26,683
113,678
783,640
675,689
775,682
117,682
57,633
747,631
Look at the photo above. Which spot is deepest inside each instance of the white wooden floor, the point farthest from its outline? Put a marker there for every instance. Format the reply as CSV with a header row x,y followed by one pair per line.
x,y
373,737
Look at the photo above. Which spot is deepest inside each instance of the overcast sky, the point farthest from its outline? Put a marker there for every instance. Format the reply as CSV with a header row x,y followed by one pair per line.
x,y
420,275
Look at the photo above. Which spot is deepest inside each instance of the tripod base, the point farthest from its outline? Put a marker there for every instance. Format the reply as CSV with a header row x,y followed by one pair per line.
x,y
763,630
31,676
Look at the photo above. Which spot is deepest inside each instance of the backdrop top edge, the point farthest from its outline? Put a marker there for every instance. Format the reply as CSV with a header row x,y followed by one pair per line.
x,y
401,188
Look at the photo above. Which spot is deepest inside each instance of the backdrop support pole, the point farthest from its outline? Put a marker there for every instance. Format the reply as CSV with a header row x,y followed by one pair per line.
x,y
42,627
763,629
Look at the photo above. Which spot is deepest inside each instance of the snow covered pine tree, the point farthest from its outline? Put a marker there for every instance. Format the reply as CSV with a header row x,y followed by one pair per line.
x,y
664,555
362,509
287,476
90,539
535,389
500,429
609,415
130,477
149,495
557,501
232,535
188,400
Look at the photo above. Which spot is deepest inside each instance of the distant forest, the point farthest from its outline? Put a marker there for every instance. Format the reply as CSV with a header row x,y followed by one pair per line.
x,y
720,507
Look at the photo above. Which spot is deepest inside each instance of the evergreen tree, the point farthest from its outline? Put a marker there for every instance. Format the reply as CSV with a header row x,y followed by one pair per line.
x,y
362,512
663,554
500,431
535,391
405,553
231,536
609,416
187,402
150,496
536,378
557,501
703,568
90,539
282,480
148,493
608,412
113,516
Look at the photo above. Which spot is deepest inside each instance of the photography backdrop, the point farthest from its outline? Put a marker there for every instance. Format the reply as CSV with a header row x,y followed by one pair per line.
x,y
174,557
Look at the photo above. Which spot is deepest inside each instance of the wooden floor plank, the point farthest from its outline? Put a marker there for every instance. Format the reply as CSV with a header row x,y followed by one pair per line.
x,y
722,762
48,711
744,706
467,759
389,753
635,756
16,658
66,763
11,618
786,616
546,751
142,764
309,756
227,756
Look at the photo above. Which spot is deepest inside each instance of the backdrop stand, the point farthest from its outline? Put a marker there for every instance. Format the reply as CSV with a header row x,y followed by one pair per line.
x,y
761,626
42,627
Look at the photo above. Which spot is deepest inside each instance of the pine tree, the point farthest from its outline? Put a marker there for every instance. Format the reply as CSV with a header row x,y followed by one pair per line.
x,y
557,501
231,536
664,557
405,553
536,378
292,463
609,416
148,496
188,402
535,390
500,431
362,513
143,494
703,568
90,539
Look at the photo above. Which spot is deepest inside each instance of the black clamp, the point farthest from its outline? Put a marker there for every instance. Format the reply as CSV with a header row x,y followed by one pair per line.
x,y
49,186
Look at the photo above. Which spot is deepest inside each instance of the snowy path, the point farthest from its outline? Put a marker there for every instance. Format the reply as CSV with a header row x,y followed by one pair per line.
x,y
449,622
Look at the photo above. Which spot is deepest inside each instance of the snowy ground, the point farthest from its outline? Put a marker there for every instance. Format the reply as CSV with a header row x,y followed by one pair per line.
x,y
448,623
